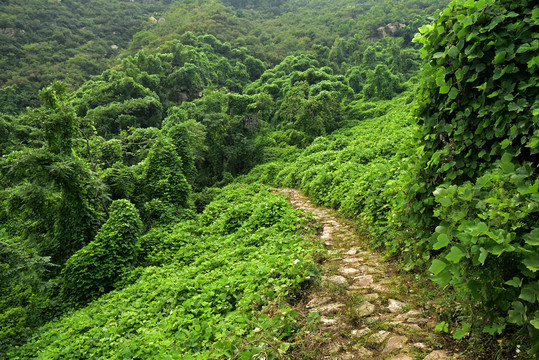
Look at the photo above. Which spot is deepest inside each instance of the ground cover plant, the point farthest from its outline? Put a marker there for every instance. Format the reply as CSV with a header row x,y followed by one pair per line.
x,y
221,285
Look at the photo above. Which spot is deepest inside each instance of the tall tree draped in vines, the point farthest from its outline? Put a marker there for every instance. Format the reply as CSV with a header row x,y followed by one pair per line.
x,y
52,195
93,270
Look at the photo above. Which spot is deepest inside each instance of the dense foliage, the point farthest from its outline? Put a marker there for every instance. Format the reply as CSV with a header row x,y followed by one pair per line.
x,y
476,177
41,41
121,236
214,284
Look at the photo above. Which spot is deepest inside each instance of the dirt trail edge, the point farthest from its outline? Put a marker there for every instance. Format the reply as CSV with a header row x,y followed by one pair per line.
x,y
362,305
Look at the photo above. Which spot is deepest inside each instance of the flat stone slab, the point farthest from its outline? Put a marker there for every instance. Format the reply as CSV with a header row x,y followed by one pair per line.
x,y
371,297
363,353
351,252
394,343
365,309
438,355
329,308
402,357
364,281
328,322
317,301
379,337
395,306
336,279
348,271
360,332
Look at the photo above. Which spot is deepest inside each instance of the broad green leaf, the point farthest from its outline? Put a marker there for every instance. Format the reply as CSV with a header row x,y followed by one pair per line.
x,y
453,52
460,333
496,250
506,163
437,266
453,93
530,292
442,327
515,282
535,139
500,57
516,314
479,229
532,238
455,254
532,262
496,328
443,241
444,89
535,322
445,201
482,256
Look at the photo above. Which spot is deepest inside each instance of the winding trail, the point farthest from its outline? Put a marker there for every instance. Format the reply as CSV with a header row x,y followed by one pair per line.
x,y
364,313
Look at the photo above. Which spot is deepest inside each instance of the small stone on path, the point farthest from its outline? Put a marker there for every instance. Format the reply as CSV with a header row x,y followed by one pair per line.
x,y
379,337
365,309
395,306
329,308
351,252
365,280
337,279
402,357
348,271
394,343
437,355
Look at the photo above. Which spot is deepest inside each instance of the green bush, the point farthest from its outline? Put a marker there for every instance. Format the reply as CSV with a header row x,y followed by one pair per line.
x,y
93,270
488,237
475,179
205,298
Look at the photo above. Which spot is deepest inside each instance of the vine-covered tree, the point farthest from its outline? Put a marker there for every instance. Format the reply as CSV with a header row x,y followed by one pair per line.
x,y
93,270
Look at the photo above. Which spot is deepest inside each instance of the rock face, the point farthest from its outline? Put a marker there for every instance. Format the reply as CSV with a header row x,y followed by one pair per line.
x,y
362,314
390,28
11,32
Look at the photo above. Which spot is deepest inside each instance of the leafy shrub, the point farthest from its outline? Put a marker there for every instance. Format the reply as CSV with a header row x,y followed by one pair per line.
x,y
24,297
205,300
92,270
163,176
475,179
488,237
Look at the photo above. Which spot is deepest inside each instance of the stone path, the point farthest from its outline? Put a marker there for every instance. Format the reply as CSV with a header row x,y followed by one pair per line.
x,y
363,310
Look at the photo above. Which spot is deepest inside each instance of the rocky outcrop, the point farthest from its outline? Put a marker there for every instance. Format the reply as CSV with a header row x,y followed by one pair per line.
x,y
390,29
